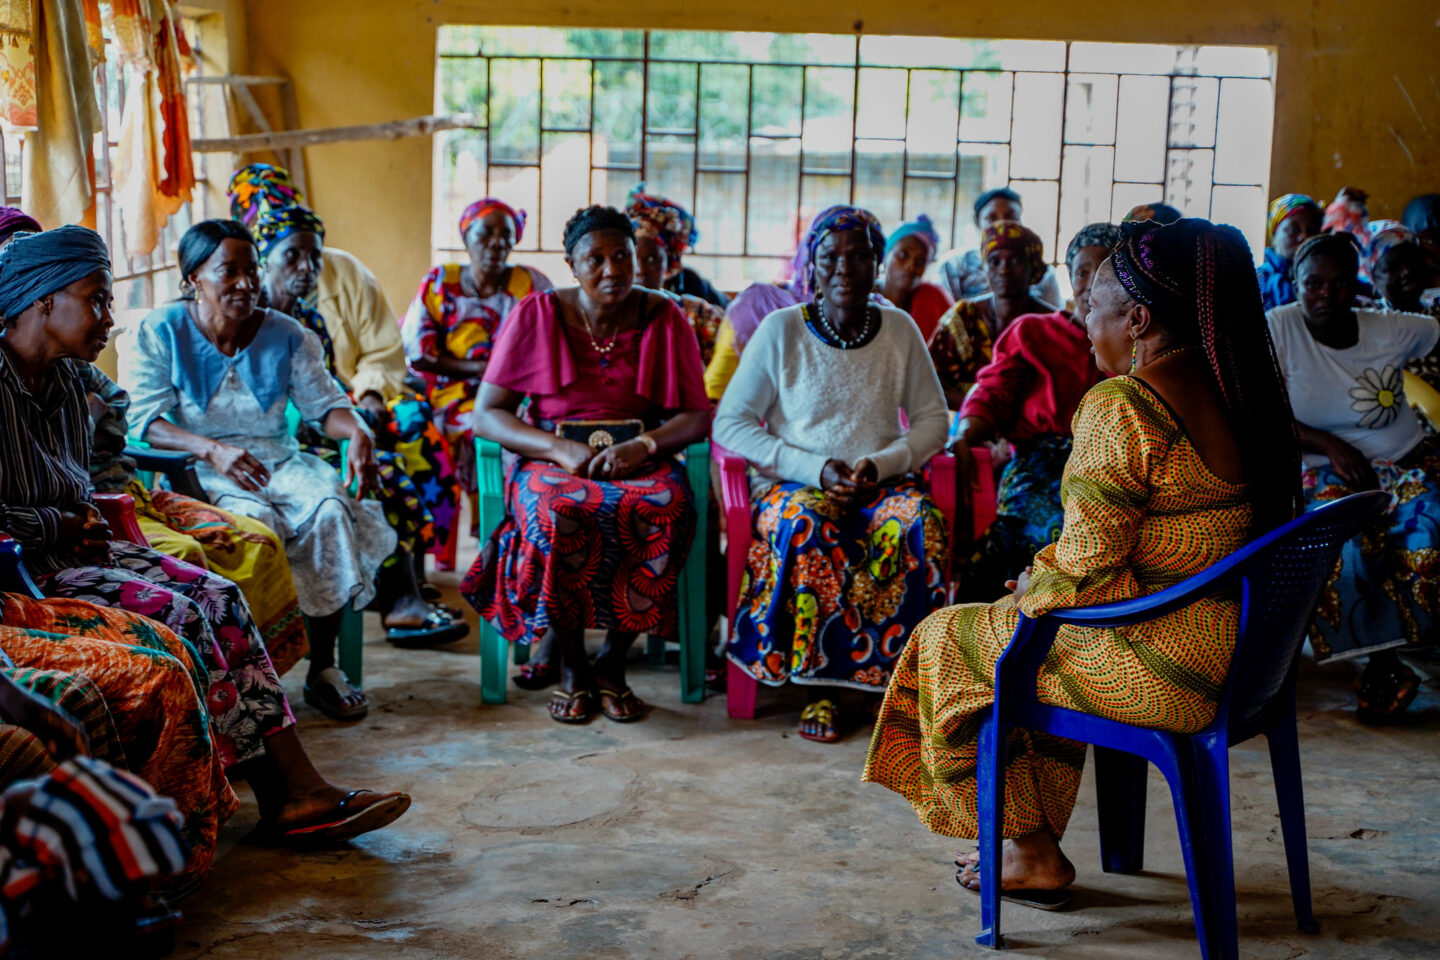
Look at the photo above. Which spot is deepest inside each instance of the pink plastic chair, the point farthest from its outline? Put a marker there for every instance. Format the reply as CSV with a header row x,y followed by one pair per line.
x,y
741,687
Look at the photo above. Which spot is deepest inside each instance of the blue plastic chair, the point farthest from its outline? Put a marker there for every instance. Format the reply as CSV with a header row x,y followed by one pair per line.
x,y
1278,578
490,481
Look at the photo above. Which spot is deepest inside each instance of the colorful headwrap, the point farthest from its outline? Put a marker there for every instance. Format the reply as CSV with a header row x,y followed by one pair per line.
x,y
1348,213
838,219
486,206
1011,235
277,223
38,264
919,227
13,220
1385,235
1105,235
670,221
1159,212
257,187
1282,207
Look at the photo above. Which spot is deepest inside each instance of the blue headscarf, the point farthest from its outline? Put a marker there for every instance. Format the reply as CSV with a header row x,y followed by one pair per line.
x,y
35,265
919,227
276,223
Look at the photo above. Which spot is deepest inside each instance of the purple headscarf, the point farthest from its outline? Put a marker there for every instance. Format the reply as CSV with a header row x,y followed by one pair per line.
x,y
759,300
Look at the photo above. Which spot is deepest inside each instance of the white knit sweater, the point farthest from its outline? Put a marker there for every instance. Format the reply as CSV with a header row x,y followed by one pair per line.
x,y
796,401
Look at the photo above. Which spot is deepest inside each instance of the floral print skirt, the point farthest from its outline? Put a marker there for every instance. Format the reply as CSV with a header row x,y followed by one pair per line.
x,y
831,593
1385,592
242,691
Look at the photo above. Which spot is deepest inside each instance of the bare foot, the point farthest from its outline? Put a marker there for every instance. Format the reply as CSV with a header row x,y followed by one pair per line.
x,y
1031,862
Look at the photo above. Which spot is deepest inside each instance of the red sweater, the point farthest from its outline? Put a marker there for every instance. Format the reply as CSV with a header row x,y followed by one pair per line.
x,y
1040,368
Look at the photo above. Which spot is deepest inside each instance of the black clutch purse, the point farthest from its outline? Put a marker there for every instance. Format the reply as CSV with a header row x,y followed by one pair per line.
x,y
599,434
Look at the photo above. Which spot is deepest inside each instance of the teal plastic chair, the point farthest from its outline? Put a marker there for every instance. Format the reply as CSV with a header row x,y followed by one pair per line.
x,y
490,479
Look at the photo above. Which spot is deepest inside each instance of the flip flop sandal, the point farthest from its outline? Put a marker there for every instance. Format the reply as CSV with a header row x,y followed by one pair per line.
x,y
439,628
1039,899
824,712
325,696
537,676
345,823
560,702
625,696
1394,689
431,594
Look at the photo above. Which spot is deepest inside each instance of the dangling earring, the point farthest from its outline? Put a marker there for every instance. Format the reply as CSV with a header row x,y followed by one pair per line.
x,y
1134,346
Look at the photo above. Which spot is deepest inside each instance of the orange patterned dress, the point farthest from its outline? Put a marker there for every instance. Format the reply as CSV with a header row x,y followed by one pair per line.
x,y
1142,512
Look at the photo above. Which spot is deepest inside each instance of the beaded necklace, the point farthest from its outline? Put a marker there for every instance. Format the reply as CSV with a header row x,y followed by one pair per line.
x,y
834,334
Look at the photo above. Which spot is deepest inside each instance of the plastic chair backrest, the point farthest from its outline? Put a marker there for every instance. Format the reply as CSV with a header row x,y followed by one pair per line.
x,y
1423,397
1280,582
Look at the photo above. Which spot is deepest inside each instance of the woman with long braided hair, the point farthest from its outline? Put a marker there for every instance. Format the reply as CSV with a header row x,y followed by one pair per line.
x,y
1190,442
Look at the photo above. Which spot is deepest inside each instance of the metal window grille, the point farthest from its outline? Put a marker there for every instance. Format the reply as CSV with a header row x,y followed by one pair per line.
x,y
754,133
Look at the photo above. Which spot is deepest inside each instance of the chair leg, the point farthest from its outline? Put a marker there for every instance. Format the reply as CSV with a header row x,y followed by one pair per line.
x,y
351,644
1120,798
1285,766
1212,763
492,663
520,653
990,783
1180,773
655,650
740,691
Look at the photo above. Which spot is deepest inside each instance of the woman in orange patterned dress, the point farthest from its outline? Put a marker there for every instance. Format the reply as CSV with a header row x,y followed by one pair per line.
x,y
1175,465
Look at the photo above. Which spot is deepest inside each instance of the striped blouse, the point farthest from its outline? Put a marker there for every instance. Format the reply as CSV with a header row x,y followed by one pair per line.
x,y
44,457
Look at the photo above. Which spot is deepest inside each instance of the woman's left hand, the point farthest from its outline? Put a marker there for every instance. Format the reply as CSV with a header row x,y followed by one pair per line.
x,y
360,464
618,461
1020,584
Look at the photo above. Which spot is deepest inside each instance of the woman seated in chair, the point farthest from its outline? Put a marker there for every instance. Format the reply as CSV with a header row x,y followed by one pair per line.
x,y
664,231
909,251
1027,394
455,317
850,552
1294,218
55,294
1398,270
1014,259
1183,456
212,374
1344,366
598,514
240,549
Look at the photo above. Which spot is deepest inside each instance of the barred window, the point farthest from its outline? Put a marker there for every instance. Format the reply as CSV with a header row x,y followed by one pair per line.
x,y
756,132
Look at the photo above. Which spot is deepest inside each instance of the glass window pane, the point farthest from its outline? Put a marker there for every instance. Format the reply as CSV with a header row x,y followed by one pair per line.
x,y
1042,201
1187,182
609,188
934,121
1194,102
985,109
724,115
515,105
672,98
458,40
459,181
1242,150
935,199
561,192
720,213
818,191
1090,109
883,51
881,94
560,42
1244,208
1035,134
519,187
1128,196
1121,58
1234,62
460,87
670,168
1140,133
880,179
774,195
979,167
1085,188
618,104
829,111
567,95
775,102
1029,54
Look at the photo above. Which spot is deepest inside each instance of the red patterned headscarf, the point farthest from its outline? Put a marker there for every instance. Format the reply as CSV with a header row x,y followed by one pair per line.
x,y
1011,235
485,207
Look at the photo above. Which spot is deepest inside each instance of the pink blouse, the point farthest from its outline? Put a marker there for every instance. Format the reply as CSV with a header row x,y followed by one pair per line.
x,y
1040,368
650,373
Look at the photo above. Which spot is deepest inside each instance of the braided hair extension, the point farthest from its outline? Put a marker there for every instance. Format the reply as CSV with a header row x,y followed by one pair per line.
x,y
591,219
1199,281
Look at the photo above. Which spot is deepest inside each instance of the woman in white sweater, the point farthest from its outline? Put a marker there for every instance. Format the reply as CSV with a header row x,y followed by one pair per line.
x,y
850,552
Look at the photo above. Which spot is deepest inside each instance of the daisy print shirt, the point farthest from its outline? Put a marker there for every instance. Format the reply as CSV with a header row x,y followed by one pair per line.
x,y
1358,393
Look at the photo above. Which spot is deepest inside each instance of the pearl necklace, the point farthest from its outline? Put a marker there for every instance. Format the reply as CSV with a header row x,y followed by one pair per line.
x,y
601,348
834,333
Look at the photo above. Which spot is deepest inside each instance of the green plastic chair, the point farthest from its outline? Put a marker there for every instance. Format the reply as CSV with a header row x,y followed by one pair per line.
x,y
490,478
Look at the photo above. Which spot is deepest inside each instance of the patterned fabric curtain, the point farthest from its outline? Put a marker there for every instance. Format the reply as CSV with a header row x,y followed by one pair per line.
x,y
17,63
59,176
154,171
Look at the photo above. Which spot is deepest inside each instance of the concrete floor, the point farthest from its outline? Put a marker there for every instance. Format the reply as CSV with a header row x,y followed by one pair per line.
x,y
693,836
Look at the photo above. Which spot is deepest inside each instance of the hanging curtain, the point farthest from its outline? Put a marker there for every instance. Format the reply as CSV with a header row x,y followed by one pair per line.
x,y
17,63
154,172
59,176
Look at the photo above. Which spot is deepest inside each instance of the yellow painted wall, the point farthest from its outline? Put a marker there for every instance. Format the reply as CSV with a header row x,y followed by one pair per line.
x,y
1357,96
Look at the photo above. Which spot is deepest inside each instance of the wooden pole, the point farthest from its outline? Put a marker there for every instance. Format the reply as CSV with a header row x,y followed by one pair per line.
x,y
286,139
